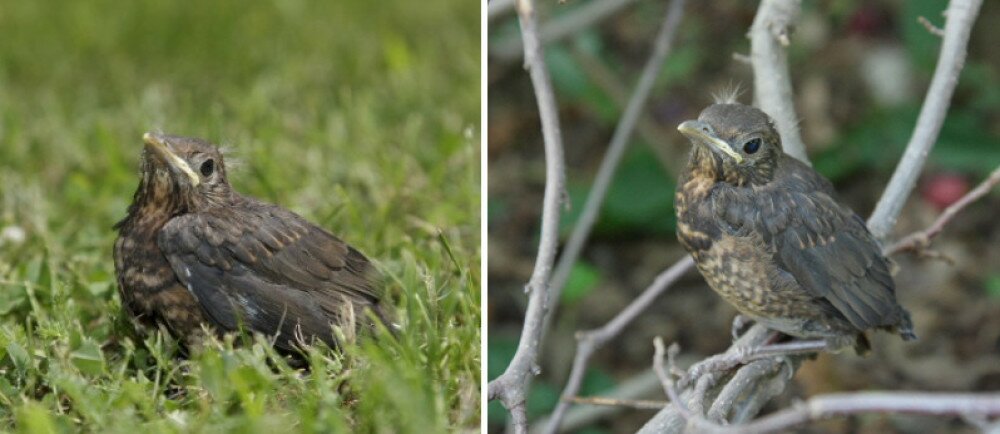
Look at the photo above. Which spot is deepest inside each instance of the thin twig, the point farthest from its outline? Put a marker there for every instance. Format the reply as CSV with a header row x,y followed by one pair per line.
x,y
511,387
666,377
640,386
562,26
669,420
920,240
590,341
638,404
616,148
844,404
958,24
771,81
591,209
934,30
652,133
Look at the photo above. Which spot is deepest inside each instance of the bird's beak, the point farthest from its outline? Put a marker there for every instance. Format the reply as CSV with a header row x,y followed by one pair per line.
x,y
700,132
158,144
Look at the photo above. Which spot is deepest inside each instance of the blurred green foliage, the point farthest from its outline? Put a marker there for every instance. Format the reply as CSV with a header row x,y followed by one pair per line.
x,y
922,45
640,199
582,280
362,116
964,144
993,285
575,86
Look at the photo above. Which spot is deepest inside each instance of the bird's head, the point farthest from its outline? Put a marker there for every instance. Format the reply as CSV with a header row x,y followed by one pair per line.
x,y
733,143
184,171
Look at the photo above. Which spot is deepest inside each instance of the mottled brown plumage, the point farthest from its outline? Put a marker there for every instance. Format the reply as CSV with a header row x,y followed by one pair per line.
x,y
769,236
192,252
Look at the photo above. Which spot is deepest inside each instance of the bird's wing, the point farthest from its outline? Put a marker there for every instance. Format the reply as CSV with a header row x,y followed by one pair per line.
x,y
829,251
269,269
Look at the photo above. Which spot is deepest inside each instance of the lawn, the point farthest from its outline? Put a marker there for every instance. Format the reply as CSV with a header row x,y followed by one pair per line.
x,y
361,116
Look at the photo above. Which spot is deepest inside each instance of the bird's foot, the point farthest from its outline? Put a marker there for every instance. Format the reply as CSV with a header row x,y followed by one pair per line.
x,y
787,361
740,324
741,355
716,363
724,362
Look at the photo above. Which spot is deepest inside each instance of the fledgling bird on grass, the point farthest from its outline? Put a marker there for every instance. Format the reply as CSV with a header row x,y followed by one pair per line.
x,y
768,235
192,251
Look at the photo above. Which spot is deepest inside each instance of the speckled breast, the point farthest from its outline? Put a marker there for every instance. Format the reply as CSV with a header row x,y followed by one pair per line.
x,y
742,271
149,290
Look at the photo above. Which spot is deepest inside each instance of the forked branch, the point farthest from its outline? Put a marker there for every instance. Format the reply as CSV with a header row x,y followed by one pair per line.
x,y
920,240
961,15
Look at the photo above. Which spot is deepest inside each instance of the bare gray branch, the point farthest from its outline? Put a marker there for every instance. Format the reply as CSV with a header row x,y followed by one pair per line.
x,y
590,341
960,16
511,387
920,240
771,82
616,148
821,407
562,27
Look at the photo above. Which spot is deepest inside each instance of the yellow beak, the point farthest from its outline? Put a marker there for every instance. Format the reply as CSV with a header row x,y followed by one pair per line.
x,y
700,132
158,144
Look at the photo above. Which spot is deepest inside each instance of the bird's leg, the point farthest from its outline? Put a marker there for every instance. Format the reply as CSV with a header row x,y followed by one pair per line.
x,y
740,324
783,349
742,355
720,362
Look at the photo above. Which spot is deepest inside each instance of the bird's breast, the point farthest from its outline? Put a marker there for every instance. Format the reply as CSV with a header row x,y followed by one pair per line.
x,y
742,270
697,226
148,287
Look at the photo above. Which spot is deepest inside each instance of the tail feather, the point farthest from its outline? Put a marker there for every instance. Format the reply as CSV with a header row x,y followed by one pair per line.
x,y
905,327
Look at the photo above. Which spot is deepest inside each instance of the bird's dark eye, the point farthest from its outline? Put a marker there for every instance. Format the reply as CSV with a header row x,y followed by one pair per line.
x,y
751,146
207,167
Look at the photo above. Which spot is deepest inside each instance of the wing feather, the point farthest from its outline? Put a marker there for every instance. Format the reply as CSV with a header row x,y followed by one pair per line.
x,y
843,265
826,247
269,269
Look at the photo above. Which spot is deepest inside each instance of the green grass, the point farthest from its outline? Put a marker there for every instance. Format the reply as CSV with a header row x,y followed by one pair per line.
x,y
362,116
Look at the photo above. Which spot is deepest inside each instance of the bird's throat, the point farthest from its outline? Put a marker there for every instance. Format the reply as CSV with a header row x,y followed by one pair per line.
x,y
704,165
155,201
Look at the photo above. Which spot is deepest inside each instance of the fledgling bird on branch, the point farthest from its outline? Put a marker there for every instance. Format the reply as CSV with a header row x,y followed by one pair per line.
x,y
768,235
192,251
